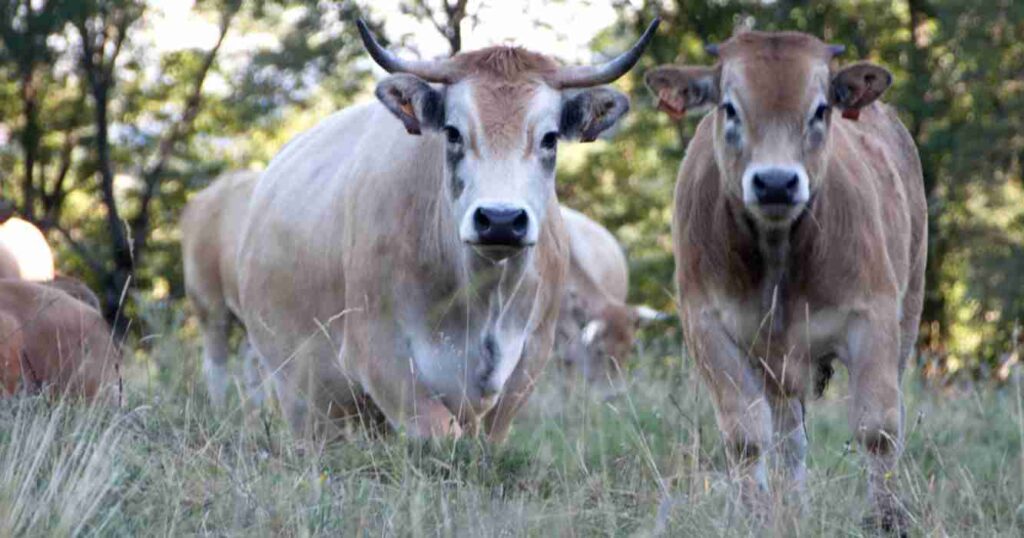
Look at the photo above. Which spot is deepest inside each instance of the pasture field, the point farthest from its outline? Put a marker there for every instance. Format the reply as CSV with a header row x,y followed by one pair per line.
x,y
647,463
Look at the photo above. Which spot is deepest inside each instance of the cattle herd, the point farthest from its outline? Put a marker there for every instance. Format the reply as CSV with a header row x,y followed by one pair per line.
x,y
407,261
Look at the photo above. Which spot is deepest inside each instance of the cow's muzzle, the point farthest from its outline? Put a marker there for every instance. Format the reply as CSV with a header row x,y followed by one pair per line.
x,y
498,230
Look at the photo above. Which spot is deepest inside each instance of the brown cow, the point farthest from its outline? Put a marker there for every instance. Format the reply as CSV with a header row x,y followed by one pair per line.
x,y
410,252
210,232
596,326
54,342
800,238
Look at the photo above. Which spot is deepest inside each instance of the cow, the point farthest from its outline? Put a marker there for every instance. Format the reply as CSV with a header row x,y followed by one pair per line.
x,y
596,327
800,233
210,233
407,255
51,342
28,255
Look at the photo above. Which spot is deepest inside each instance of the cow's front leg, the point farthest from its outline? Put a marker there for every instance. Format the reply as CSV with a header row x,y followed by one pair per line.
x,y
741,408
391,378
876,410
791,439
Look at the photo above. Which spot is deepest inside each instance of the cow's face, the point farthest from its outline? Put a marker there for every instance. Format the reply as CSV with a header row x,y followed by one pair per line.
x,y
609,338
500,113
774,96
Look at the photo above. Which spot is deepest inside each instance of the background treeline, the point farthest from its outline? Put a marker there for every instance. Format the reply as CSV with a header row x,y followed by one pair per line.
x,y
103,136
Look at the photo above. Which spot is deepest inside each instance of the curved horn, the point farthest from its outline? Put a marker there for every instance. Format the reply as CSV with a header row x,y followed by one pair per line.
x,y
430,71
595,75
711,49
836,50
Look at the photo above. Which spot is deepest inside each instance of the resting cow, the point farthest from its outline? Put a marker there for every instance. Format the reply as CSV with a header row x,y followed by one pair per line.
x,y
421,275
53,342
800,238
210,232
596,327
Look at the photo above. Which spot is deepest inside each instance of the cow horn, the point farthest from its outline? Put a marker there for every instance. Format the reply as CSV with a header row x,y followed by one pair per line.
x,y
836,50
711,49
430,71
595,75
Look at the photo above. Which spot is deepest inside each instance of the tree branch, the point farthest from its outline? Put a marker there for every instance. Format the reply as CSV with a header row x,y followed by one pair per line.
x,y
151,175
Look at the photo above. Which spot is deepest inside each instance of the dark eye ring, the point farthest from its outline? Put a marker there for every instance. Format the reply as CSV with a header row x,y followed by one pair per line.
x,y
453,135
821,112
730,111
550,141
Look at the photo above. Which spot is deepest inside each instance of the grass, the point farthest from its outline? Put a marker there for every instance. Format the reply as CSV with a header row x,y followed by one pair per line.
x,y
648,463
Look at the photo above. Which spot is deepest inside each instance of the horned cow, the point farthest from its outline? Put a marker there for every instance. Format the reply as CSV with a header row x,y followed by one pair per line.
x,y
800,238
422,274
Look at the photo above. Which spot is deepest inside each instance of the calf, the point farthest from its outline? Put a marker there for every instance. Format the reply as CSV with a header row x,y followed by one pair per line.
x,y
800,238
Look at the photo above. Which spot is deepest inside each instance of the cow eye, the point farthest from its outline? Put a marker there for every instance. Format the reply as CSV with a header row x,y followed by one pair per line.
x,y
550,141
730,111
821,113
453,135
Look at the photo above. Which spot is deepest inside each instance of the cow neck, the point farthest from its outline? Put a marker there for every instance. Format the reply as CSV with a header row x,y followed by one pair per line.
x,y
769,255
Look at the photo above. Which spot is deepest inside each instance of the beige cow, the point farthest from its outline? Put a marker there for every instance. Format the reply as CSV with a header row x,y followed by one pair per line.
x,y
210,232
800,238
596,327
408,254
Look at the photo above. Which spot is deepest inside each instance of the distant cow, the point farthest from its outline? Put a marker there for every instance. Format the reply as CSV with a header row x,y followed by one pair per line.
x,y
596,327
50,341
211,227
800,238
422,274
24,252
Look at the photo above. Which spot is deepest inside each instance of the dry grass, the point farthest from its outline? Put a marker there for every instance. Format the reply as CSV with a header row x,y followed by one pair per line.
x,y
650,462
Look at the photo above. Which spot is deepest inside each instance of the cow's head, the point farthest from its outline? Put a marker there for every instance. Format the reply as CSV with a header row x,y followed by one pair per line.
x,y
775,95
609,338
502,112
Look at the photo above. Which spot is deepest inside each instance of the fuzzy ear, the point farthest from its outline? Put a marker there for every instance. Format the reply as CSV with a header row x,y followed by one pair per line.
x,y
591,331
857,86
588,113
682,88
413,102
646,315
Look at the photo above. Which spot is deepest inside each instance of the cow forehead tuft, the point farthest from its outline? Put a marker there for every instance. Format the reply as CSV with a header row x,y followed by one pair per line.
x,y
504,62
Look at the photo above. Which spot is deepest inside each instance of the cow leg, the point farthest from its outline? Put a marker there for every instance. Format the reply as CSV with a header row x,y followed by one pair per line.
x,y
216,326
876,410
518,388
391,380
791,439
741,407
255,380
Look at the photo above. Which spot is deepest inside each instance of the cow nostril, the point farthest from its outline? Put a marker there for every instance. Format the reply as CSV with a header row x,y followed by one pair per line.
x,y
520,223
792,183
480,220
758,182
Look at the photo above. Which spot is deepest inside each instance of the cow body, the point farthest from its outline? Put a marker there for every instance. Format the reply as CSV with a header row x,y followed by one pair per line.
x,y
778,279
24,252
54,342
211,229
387,295
409,255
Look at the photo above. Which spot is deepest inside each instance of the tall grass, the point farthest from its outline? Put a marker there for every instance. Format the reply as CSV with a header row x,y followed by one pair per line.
x,y
648,463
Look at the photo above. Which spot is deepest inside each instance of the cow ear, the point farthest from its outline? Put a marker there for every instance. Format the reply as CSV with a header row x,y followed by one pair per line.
x,y
857,86
645,315
588,113
682,88
413,102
